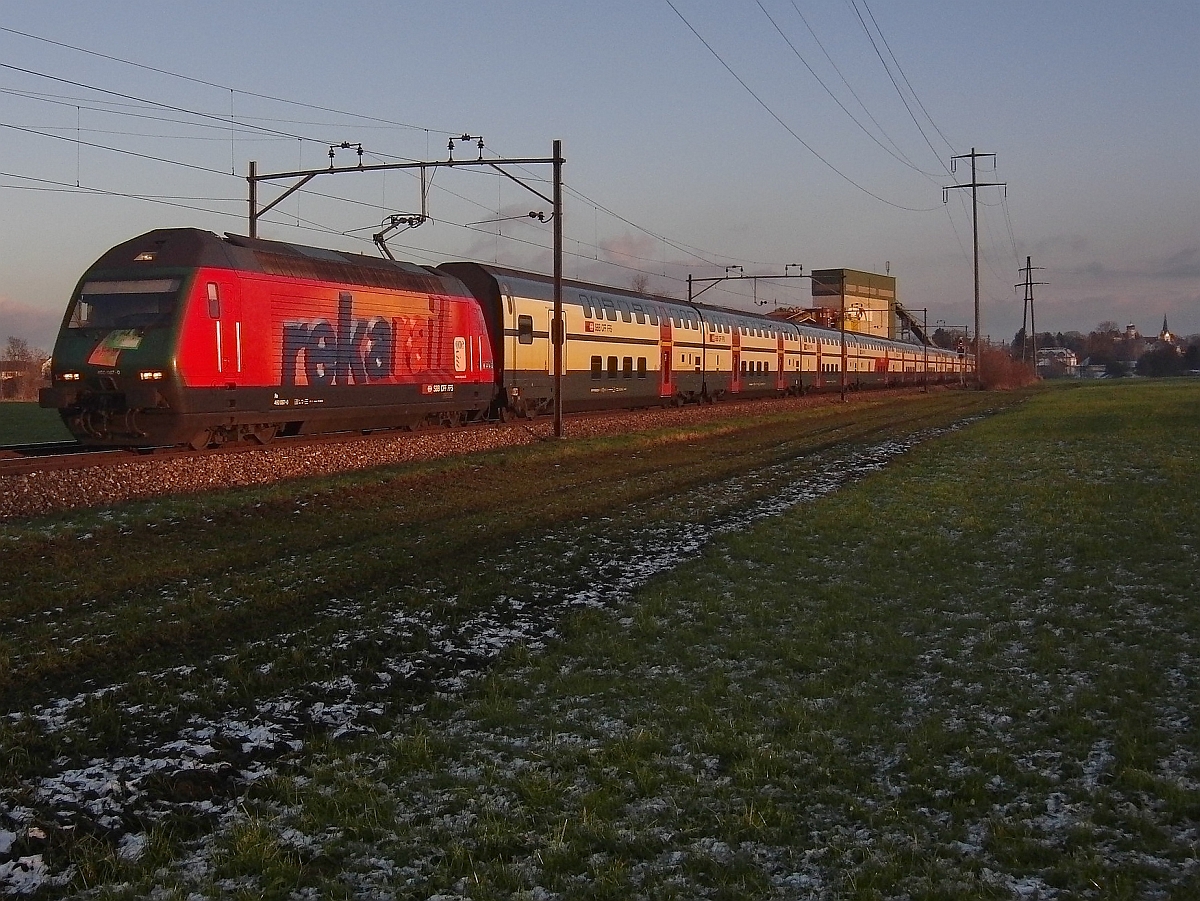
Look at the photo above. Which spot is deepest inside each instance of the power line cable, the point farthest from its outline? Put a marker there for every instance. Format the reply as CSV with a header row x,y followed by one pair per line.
x,y
908,83
787,127
892,78
62,187
893,154
845,81
245,122
222,87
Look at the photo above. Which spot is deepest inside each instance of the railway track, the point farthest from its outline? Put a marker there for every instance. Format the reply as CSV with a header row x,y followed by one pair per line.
x,y
19,459
48,478
23,459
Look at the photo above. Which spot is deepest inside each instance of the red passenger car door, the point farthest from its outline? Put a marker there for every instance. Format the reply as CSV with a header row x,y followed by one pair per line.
x,y
735,376
780,375
666,386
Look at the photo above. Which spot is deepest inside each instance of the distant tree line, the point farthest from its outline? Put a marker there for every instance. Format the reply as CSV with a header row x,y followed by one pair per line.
x,y
1110,346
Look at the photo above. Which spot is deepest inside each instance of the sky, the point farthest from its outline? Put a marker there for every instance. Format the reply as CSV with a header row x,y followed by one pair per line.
x,y
697,134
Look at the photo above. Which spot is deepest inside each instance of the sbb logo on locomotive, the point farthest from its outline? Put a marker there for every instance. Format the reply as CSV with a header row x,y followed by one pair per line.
x,y
359,351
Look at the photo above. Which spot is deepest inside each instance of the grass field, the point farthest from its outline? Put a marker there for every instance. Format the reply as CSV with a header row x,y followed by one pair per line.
x,y
24,422
845,653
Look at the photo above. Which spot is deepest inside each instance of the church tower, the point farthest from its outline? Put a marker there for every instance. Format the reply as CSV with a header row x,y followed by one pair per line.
x,y
1165,335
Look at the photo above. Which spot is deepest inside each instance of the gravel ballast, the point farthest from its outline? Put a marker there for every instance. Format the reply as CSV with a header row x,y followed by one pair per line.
x,y
49,491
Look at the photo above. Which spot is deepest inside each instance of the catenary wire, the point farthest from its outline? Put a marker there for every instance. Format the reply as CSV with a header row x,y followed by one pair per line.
x,y
222,87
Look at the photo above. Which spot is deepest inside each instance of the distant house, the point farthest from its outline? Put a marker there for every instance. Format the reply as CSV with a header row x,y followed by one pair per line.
x,y
1057,362
20,379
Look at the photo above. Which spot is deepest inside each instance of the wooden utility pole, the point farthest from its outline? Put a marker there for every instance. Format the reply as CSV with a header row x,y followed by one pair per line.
x,y
975,185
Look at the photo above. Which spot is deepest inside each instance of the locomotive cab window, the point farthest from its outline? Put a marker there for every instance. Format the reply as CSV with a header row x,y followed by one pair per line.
x,y
214,301
143,303
525,329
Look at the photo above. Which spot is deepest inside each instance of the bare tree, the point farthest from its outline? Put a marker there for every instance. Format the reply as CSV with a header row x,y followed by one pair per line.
x,y
18,349
640,282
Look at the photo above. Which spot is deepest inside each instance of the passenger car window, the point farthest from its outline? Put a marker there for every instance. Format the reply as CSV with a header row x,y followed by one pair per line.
x,y
525,329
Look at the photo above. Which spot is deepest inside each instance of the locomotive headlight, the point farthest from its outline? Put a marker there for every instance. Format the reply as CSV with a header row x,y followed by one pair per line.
x,y
69,376
150,375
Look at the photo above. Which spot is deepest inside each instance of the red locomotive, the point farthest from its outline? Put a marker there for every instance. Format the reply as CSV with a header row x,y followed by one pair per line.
x,y
181,337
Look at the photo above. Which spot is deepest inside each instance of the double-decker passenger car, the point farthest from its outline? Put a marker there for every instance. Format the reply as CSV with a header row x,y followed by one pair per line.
x,y
625,349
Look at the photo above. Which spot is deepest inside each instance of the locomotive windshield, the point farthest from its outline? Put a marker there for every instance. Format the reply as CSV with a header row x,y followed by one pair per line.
x,y
144,303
